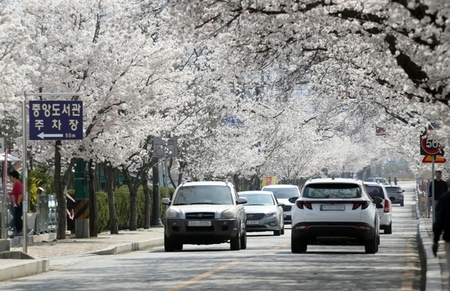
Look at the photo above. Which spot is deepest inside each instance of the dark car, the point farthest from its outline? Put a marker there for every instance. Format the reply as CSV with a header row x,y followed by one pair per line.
x,y
395,194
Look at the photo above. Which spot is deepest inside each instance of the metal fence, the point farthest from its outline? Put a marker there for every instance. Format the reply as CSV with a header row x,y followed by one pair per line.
x,y
44,220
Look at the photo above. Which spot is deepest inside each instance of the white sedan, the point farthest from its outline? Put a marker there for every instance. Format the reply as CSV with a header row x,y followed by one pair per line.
x,y
263,211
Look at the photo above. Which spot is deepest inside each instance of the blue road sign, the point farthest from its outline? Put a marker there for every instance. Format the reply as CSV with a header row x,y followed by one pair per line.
x,y
56,120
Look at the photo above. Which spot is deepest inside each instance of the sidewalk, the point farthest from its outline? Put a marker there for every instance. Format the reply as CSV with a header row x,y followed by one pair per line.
x,y
43,249
437,270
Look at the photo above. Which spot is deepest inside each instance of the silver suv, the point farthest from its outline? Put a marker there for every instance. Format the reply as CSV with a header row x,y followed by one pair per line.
x,y
205,213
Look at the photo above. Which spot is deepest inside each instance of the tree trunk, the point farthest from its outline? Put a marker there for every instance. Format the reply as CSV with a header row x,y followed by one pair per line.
x,y
93,203
109,188
60,196
133,186
144,182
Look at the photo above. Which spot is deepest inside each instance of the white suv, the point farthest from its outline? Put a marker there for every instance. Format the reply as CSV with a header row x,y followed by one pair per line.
x,y
385,208
335,211
205,213
283,193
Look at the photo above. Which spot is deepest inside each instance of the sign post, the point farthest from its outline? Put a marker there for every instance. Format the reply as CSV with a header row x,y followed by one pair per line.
x,y
46,116
161,149
431,149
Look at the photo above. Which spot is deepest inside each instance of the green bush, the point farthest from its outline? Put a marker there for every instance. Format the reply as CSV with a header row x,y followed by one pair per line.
x,y
122,203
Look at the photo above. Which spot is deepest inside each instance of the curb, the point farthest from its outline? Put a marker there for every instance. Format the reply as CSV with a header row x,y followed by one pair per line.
x,y
433,268
21,269
130,247
433,281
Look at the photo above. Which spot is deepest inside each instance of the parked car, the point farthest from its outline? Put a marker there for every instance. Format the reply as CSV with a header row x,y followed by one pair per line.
x,y
205,213
335,211
263,211
380,180
384,209
395,194
283,192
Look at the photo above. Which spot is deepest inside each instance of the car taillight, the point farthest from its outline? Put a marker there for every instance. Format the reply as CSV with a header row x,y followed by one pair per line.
x,y
301,204
363,204
387,206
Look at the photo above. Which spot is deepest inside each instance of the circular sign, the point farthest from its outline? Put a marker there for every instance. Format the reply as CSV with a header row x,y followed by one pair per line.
x,y
430,146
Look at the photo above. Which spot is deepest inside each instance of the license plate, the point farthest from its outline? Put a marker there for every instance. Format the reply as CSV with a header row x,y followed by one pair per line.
x,y
199,223
332,207
252,222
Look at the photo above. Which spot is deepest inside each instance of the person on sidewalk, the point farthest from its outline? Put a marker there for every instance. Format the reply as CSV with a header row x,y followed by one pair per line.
x,y
395,180
440,187
16,200
441,225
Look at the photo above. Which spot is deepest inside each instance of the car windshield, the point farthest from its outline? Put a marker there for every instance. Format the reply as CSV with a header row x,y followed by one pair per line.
x,y
204,194
283,192
344,191
375,191
258,199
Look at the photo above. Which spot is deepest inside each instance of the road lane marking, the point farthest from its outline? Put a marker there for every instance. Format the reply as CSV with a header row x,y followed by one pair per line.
x,y
277,247
204,275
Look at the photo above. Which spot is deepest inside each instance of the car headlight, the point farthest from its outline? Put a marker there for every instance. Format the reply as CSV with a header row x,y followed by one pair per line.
x,y
227,214
172,214
271,214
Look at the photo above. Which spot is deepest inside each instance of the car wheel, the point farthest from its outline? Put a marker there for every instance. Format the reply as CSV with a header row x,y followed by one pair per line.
x,y
402,203
235,243
282,230
277,232
244,241
388,229
298,246
371,245
169,245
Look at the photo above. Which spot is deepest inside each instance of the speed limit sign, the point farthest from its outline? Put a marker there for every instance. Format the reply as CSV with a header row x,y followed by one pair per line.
x,y
429,146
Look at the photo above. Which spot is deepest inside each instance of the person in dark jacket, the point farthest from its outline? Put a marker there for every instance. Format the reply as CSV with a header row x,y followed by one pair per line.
x,y
440,187
441,225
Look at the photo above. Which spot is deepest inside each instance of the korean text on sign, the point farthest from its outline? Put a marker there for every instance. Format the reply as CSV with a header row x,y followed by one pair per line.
x,y
53,120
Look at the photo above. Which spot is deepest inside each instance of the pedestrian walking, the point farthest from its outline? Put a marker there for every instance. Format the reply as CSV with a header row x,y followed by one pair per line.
x,y
17,201
440,187
395,180
441,225
389,179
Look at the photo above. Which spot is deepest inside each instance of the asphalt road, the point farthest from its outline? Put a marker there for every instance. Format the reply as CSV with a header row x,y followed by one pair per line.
x,y
266,264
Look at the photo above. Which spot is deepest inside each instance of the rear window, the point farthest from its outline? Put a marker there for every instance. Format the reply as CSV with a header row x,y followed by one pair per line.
x,y
393,189
283,192
375,191
323,191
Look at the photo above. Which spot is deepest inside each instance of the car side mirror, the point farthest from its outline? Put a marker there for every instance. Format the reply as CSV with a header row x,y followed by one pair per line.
x,y
242,200
293,199
166,201
403,190
377,201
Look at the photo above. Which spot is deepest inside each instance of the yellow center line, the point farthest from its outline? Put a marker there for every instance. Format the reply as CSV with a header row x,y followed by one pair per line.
x,y
277,247
204,275
209,273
